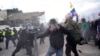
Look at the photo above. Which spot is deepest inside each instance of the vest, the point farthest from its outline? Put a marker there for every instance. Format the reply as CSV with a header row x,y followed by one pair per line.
x,y
4,33
12,33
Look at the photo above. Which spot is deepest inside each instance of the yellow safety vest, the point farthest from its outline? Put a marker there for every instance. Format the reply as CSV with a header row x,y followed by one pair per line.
x,y
4,33
12,33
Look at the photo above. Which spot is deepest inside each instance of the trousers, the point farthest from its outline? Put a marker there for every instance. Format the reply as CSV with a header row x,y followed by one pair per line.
x,y
51,51
20,45
7,42
70,48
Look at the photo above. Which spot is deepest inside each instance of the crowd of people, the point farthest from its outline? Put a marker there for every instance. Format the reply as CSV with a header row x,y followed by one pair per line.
x,y
9,34
22,38
77,33
91,30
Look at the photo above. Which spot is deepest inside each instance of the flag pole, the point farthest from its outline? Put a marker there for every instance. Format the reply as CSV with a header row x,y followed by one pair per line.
x,y
77,18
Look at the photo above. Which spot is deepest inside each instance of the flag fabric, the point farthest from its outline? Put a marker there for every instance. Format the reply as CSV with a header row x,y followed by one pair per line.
x,y
71,6
72,12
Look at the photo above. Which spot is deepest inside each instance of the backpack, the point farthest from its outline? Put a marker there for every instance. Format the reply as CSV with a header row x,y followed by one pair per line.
x,y
75,30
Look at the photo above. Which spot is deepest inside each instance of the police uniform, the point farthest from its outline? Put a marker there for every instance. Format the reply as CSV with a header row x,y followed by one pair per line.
x,y
16,33
9,36
1,39
3,33
24,40
42,31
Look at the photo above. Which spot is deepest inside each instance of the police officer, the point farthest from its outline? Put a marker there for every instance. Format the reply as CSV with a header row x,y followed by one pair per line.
x,y
71,43
42,31
1,39
16,34
19,32
4,33
9,36
31,32
24,40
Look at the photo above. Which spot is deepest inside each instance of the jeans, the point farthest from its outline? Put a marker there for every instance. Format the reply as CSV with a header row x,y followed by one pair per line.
x,y
51,51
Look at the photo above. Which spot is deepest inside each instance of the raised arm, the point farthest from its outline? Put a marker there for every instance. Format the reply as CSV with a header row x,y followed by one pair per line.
x,y
65,31
46,33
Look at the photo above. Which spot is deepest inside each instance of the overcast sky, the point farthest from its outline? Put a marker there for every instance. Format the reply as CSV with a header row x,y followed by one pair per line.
x,y
53,8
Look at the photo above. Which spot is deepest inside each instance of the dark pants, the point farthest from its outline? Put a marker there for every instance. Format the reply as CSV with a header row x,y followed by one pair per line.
x,y
99,44
1,38
0,49
15,37
7,42
20,45
93,34
42,41
31,39
70,48
32,42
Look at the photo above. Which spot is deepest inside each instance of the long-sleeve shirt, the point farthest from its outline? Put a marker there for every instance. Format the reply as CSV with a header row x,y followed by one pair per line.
x,y
57,37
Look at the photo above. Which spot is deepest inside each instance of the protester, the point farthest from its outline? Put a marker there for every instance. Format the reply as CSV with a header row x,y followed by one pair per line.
x,y
98,32
71,45
56,33
93,28
85,27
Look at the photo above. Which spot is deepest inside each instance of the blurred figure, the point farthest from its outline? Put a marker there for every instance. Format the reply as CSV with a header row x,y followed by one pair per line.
x,y
32,31
71,45
42,29
9,36
19,32
24,40
16,34
98,32
12,34
93,28
56,33
85,27
1,39
4,33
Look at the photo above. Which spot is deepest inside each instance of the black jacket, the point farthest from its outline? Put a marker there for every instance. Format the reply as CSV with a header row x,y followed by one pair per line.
x,y
26,36
8,36
56,37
